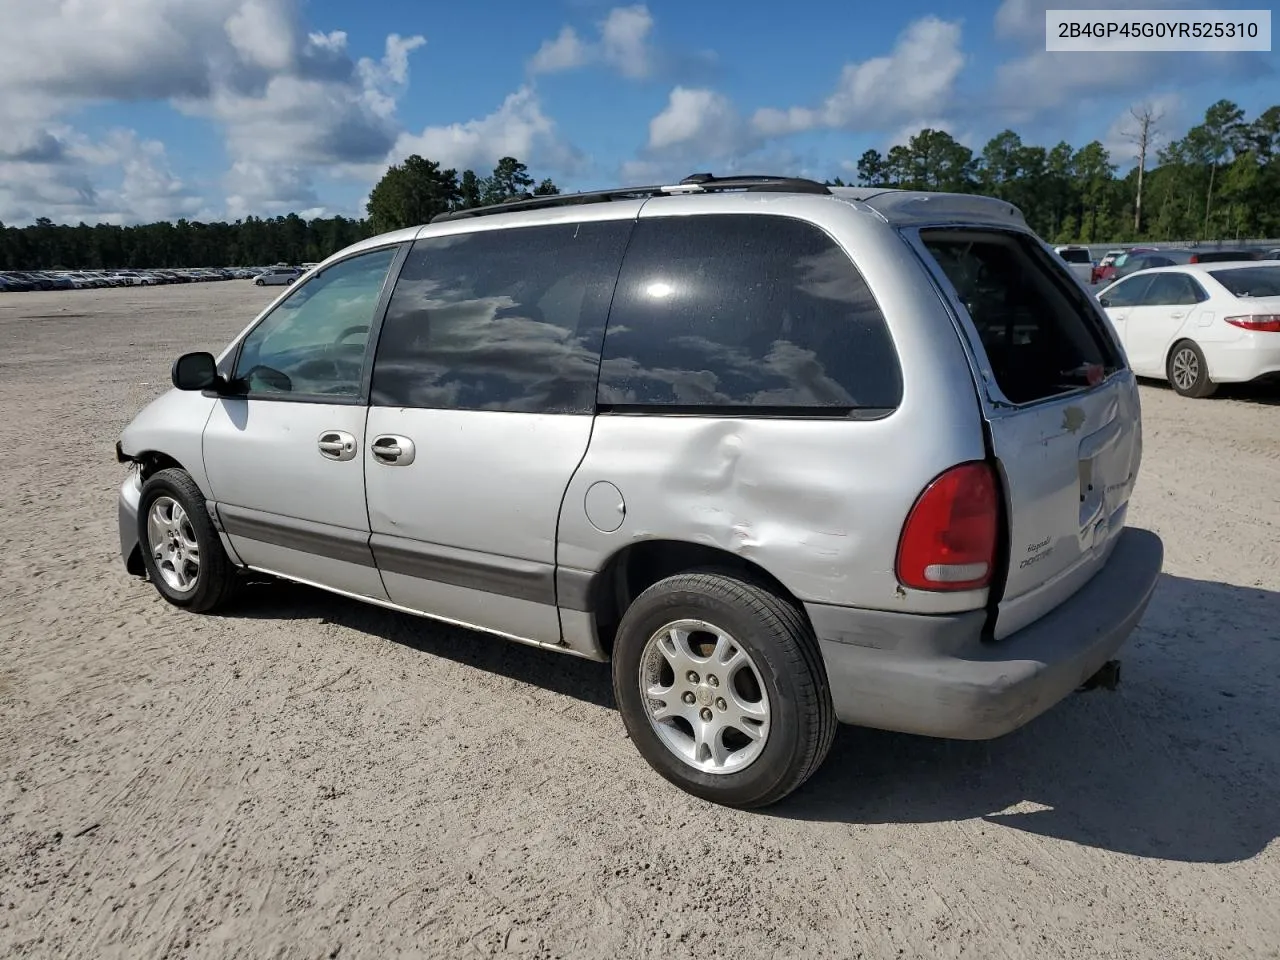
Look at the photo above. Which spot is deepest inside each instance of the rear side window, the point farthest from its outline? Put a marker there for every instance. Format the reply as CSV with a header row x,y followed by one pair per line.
x,y
745,312
1172,289
1250,281
508,319
1041,334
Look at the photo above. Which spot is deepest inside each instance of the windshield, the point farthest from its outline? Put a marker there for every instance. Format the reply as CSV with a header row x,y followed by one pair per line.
x,y
1250,281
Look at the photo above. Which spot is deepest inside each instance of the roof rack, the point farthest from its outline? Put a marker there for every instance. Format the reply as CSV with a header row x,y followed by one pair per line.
x,y
697,183
529,202
771,184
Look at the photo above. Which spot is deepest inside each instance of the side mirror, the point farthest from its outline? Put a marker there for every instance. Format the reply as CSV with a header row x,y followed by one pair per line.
x,y
1104,301
195,371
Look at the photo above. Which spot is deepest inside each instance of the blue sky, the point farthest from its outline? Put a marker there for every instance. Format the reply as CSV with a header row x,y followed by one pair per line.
x,y
136,110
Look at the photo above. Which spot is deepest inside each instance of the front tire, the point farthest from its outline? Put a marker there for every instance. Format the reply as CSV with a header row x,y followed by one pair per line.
x,y
181,549
1188,372
721,687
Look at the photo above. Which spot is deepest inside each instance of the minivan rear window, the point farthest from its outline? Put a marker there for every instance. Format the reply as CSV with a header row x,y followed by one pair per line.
x,y
1077,255
1041,334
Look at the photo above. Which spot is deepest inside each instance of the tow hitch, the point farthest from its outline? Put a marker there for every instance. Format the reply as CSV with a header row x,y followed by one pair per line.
x,y
1107,677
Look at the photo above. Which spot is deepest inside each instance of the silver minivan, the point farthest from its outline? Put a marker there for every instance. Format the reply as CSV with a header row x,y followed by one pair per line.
x,y
786,454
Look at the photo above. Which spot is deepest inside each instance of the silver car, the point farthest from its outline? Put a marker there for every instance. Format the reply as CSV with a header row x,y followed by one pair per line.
x,y
276,277
785,454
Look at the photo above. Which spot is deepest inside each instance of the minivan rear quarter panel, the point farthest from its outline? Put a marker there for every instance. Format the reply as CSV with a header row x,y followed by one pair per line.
x,y
817,502
1062,408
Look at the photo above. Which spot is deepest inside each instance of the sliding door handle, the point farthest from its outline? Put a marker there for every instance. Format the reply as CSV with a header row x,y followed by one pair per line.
x,y
393,450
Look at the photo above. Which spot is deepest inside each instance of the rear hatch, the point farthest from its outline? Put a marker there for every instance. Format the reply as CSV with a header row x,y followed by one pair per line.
x,y
1061,409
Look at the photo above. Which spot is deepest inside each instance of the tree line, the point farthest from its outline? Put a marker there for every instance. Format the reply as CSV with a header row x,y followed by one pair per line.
x,y
409,193
1220,181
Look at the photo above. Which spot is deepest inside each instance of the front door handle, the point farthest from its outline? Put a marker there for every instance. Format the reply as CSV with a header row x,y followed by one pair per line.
x,y
393,450
337,445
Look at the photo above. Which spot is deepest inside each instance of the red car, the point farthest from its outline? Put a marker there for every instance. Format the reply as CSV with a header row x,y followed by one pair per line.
x,y
1105,271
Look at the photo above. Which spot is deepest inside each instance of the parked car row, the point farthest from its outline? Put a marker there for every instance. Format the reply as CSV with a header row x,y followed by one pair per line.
x,y
21,280
1118,264
1199,324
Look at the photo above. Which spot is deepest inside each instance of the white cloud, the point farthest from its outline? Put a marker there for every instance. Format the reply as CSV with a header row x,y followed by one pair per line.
x,y
914,79
262,32
1038,84
283,97
903,90
518,128
565,52
324,112
624,44
69,177
1041,81
269,190
624,40
128,49
702,121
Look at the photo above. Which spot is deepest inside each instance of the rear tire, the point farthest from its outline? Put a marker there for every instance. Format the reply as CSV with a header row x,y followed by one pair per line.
x,y
1188,372
181,549
721,687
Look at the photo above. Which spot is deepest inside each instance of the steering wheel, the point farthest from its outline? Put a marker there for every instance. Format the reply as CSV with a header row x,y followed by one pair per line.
x,y
330,366
350,332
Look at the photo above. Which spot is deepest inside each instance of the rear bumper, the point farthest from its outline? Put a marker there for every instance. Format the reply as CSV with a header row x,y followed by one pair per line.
x,y
1251,356
935,676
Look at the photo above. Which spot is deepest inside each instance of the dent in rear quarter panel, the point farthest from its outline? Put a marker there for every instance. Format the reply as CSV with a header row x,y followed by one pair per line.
x,y
819,504
173,424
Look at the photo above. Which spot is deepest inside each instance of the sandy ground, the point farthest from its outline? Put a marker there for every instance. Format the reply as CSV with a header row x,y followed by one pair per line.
x,y
310,777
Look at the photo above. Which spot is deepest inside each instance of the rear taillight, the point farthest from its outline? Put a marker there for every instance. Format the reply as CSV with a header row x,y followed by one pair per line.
x,y
949,539
1195,258
1259,322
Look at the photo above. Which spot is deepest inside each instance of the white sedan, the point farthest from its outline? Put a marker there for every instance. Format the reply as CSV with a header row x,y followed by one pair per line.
x,y
1199,325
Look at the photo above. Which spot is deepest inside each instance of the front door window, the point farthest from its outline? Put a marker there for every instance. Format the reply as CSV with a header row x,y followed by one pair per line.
x,y
314,343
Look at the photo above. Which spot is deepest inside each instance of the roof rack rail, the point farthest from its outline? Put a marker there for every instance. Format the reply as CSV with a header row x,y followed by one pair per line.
x,y
765,182
697,183
530,202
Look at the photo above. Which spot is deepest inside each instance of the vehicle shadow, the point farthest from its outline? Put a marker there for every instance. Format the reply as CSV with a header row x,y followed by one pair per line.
x,y
1181,763
569,676
1261,392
